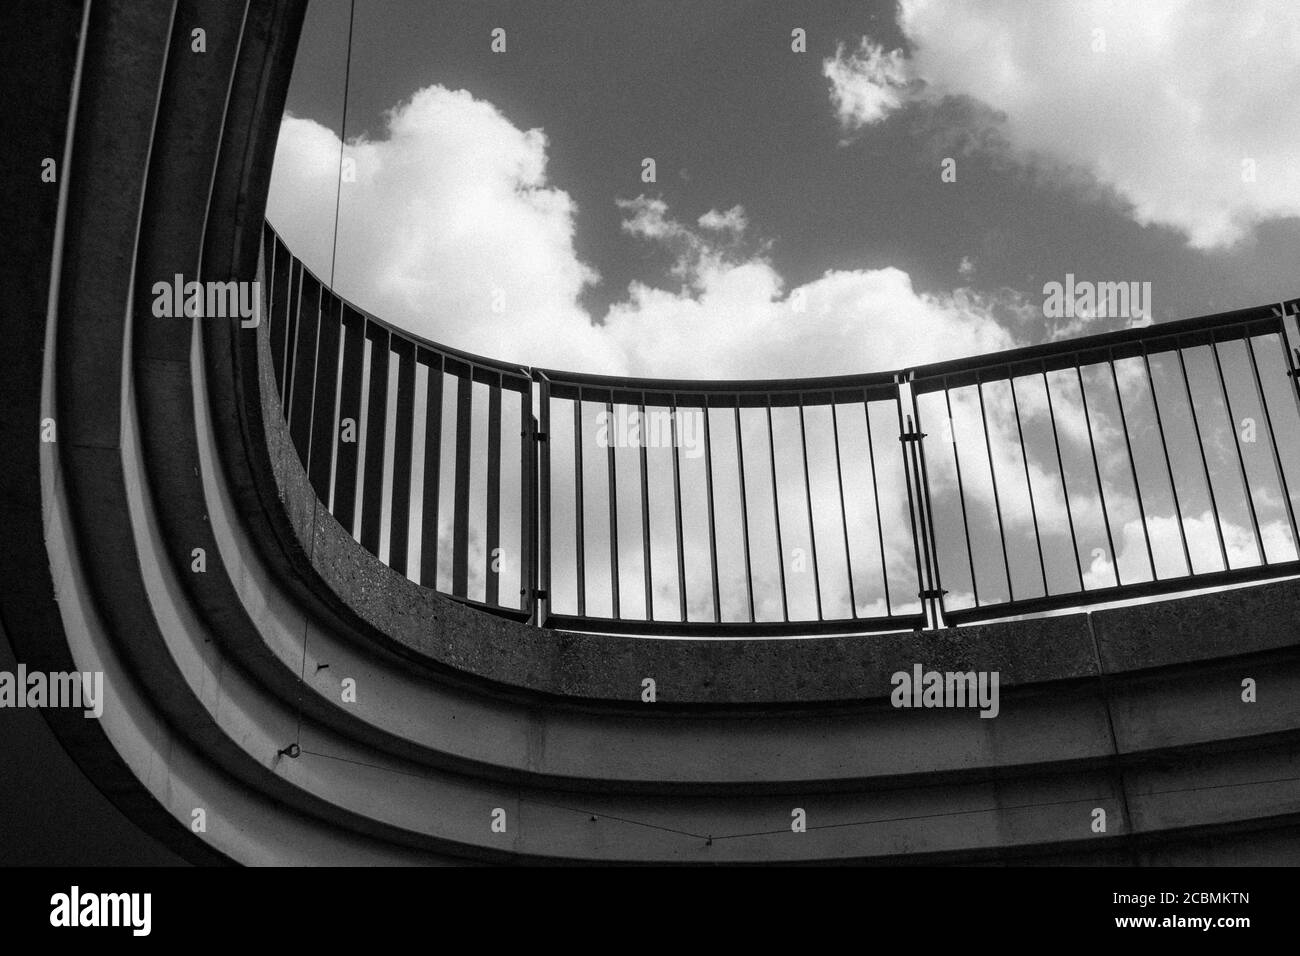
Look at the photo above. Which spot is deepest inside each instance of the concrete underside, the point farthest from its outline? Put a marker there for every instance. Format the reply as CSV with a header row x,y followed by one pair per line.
x,y
170,438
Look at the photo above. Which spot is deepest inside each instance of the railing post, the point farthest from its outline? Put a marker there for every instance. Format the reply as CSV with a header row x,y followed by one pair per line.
x,y
922,512
1289,352
528,582
527,502
1292,355
540,504
929,536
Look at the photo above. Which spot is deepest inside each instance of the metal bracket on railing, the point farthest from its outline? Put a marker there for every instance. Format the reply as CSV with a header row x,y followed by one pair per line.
x,y
1287,307
912,436
932,594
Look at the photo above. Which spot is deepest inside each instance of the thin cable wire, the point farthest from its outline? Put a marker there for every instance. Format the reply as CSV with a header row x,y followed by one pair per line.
x,y
343,137
334,251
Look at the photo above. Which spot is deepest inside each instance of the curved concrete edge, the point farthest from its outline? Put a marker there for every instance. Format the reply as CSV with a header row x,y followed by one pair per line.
x,y
52,67
133,757
239,825
205,735
634,744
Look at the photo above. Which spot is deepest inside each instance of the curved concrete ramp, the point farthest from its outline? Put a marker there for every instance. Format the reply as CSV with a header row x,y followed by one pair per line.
x,y
268,677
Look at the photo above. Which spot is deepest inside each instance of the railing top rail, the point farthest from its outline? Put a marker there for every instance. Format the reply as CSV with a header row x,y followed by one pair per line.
x,y
1124,343
1060,354
562,381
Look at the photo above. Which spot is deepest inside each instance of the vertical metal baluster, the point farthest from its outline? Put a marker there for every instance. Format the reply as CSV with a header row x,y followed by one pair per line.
x,y
304,373
544,506
372,492
744,510
1024,455
280,275
580,537
528,501
776,512
915,485
904,428
460,514
432,468
492,588
613,510
961,493
399,533
875,494
1169,466
1060,464
296,272
1205,464
997,504
927,515
1132,463
844,515
812,530
1096,469
323,430
347,468
677,498
330,421
1236,444
648,577
267,255
708,484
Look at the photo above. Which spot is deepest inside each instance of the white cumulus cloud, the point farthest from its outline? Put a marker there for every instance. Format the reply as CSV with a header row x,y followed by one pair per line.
x,y
450,230
867,84
453,231
1186,108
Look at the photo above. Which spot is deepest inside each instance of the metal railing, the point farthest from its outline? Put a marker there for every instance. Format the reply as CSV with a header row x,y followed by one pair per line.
x,y
1120,465
386,426
1115,466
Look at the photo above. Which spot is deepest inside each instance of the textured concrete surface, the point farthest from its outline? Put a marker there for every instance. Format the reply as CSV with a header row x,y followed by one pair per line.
x,y
1241,621
1135,712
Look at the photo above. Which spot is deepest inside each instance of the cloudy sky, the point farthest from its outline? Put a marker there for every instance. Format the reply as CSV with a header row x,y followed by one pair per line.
x,y
1101,139
898,190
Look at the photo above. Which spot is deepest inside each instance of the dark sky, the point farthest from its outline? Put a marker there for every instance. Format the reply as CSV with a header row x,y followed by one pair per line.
x,y
731,115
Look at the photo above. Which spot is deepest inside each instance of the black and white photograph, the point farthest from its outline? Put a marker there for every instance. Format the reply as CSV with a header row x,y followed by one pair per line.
x,y
651,434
